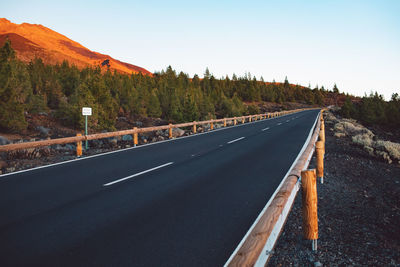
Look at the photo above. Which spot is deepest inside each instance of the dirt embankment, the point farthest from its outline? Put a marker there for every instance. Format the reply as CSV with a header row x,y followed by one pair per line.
x,y
358,206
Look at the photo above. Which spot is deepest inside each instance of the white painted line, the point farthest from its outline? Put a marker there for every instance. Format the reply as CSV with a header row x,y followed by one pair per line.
x,y
287,120
264,256
265,129
137,174
279,123
233,141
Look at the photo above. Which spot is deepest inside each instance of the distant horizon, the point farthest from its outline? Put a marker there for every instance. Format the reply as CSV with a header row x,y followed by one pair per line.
x,y
354,45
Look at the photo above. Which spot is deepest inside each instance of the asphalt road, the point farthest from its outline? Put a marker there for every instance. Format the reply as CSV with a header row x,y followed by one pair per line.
x,y
186,202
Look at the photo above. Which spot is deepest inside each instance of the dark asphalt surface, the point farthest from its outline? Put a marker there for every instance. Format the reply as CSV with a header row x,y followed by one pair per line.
x,y
193,212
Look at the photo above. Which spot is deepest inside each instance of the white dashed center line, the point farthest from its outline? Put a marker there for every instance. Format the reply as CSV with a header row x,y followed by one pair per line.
x,y
137,174
233,141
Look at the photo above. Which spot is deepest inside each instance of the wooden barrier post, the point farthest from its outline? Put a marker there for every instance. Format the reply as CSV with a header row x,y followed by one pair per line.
x,y
211,125
319,149
322,132
79,147
170,131
234,121
243,120
224,122
250,119
135,137
309,202
194,127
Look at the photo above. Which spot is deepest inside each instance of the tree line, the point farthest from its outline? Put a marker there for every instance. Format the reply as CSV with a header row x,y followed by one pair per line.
x,y
63,89
374,110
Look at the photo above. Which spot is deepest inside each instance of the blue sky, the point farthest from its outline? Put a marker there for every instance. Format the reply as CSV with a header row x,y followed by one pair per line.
x,y
355,44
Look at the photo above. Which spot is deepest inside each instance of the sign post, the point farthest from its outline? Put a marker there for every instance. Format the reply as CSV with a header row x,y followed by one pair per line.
x,y
86,112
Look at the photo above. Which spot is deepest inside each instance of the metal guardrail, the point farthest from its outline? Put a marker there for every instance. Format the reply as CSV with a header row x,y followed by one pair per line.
x,y
77,139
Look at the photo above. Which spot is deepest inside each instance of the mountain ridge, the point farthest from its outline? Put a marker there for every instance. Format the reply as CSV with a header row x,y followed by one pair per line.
x,y
35,40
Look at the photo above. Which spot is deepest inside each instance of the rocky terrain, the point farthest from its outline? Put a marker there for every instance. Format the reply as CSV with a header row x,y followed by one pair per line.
x,y
358,208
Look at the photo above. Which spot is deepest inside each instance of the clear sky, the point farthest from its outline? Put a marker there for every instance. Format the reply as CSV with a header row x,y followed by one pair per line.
x,y
355,44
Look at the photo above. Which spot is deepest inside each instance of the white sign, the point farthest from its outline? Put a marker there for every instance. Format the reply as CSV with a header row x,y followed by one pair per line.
x,y
87,111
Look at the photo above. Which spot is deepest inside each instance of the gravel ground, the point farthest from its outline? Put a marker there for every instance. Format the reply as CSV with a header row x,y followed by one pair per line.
x,y
358,213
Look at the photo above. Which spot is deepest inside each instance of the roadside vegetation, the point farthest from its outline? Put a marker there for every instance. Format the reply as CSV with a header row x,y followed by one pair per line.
x,y
374,110
62,90
365,138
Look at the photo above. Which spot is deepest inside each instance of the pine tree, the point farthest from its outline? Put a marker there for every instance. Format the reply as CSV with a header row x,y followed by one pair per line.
x,y
335,90
14,89
153,106
286,83
190,111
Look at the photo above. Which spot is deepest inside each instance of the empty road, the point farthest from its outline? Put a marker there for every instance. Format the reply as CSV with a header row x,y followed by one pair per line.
x,y
185,202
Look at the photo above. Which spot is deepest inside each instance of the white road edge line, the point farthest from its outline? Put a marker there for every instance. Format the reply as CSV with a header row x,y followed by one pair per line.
x,y
130,148
137,174
233,141
265,129
262,256
279,123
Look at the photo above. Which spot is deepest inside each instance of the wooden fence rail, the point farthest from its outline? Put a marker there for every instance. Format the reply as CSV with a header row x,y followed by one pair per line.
x,y
76,139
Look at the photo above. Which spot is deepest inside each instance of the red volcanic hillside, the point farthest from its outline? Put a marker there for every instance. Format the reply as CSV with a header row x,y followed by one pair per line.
x,y
33,40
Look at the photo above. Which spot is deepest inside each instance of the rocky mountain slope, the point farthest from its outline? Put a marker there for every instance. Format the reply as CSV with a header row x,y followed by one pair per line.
x,y
33,40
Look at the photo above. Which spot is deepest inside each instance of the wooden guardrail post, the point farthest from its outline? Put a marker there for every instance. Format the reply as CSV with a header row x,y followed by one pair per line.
x,y
234,121
250,118
79,147
135,137
194,127
322,132
309,210
319,149
224,122
170,131
243,120
211,125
